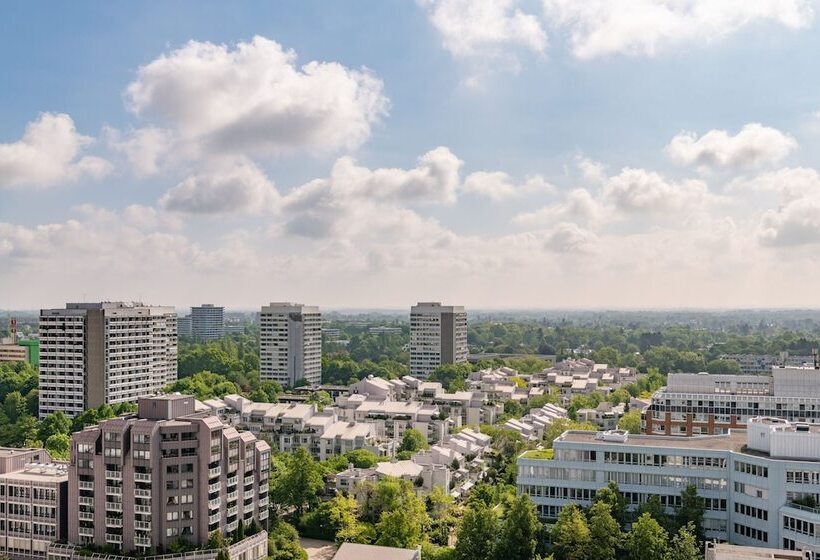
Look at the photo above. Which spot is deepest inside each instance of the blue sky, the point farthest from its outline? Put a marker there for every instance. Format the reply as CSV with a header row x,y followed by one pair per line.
x,y
496,153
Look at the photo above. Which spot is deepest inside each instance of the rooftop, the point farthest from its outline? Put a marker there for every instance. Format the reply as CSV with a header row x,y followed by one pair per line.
x,y
733,441
354,551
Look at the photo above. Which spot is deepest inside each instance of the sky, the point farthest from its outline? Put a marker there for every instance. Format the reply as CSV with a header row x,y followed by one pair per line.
x,y
371,154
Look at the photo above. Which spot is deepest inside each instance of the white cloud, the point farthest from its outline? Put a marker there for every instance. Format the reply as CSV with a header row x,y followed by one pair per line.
x,y
49,153
791,183
638,191
795,223
478,28
579,205
144,148
223,188
567,237
753,146
646,27
497,185
252,99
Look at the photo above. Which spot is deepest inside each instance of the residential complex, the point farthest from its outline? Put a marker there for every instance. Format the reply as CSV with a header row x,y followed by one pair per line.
x,y
438,335
290,344
207,322
33,503
752,480
755,364
144,481
104,353
702,403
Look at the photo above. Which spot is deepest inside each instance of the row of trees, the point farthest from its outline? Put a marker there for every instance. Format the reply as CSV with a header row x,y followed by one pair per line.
x,y
598,532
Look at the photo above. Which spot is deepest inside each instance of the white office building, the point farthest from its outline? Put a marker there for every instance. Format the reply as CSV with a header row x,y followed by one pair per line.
x,y
290,344
104,353
208,322
759,484
438,335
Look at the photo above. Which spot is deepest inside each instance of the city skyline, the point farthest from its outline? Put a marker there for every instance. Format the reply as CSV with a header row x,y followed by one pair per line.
x,y
502,154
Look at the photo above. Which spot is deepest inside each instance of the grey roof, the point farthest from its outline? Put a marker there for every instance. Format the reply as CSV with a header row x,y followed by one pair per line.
x,y
354,551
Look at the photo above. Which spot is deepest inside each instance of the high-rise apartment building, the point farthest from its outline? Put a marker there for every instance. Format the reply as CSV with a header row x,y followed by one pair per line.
x,y
438,335
290,343
184,327
33,503
702,403
208,322
97,353
167,473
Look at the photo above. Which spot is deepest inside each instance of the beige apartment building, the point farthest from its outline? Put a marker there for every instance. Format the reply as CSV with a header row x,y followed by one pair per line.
x,y
438,335
33,503
144,481
290,344
104,353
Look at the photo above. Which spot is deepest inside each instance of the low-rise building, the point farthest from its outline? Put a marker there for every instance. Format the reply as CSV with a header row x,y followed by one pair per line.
x,y
34,502
355,551
753,481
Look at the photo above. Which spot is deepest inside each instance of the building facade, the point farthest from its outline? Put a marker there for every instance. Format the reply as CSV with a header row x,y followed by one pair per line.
x,y
144,481
184,327
702,403
33,503
753,481
290,344
438,335
208,322
104,353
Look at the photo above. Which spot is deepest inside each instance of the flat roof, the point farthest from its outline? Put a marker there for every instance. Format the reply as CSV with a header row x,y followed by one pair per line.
x,y
355,551
735,440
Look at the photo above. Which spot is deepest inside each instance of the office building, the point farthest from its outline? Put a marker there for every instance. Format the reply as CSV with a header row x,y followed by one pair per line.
x,y
438,335
13,353
208,322
702,403
759,485
104,353
184,327
290,344
33,503
756,364
144,481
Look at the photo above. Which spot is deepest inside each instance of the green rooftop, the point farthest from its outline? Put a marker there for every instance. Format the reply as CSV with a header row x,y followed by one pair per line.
x,y
539,454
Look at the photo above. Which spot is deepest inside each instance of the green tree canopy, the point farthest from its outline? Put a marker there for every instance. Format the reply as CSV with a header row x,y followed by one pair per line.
x,y
477,533
571,536
647,540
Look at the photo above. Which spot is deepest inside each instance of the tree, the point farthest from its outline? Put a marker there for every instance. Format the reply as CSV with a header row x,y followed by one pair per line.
x,y
283,543
646,540
58,445
334,520
412,441
297,483
571,536
653,507
451,376
684,545
723,366
403,527
14,405
631,422
691,511
321,399
54,423
604,531
518,537
476,533
611,495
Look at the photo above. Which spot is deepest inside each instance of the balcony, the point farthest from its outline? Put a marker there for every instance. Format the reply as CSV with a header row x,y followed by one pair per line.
x,y
86,531
85,485
116,490
142,541
231,526
215,487
248,508
113,506
233,510
263,488
263,514
232,496
113,475
113,522
141,493
142,509
263,502
142,477
142,525
248,480
116,539
213,518
86,516
86,501
215,503
216,471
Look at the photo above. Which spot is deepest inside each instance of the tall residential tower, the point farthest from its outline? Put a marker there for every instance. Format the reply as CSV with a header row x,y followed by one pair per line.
x,y
208,322
438,335
290,344
104,353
